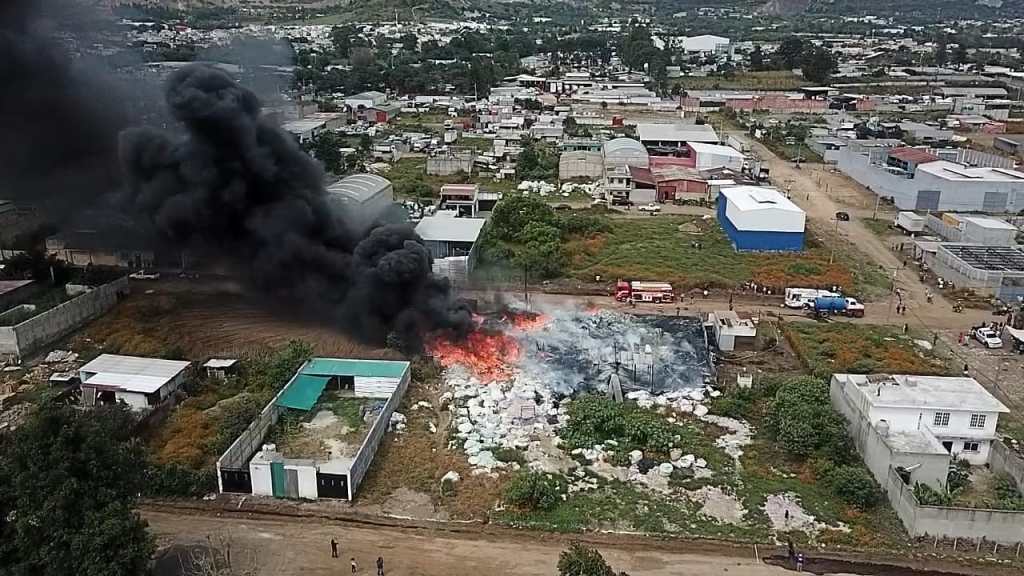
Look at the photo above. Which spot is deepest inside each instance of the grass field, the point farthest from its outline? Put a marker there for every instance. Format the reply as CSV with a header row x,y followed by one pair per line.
x,y
882,226
409,170
825,348
661,248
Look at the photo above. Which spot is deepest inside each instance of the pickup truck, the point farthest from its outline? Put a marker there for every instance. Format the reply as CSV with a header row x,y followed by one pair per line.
x,y
652,208
988,337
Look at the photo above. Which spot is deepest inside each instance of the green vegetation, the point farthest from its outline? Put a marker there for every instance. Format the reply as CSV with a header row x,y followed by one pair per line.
x,y
410,180
579,560
529,490
801,419
217,411
537,161
881,226
349,410
859,348
71,481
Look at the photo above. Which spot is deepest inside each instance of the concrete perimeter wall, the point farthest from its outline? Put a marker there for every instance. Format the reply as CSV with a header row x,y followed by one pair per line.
x,y
1001,526
34,333
368,450
1002,459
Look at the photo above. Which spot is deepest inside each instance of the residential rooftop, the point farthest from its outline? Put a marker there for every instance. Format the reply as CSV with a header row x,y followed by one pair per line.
x,y
759,198
676,133
446,229
954,393
131,373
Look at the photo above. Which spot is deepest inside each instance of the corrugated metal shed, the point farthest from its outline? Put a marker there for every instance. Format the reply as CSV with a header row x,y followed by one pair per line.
x,y
349,367
359,187
131,373
444,229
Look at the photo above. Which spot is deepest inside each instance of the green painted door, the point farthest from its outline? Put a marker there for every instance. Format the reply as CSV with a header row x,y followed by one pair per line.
x,y
277,478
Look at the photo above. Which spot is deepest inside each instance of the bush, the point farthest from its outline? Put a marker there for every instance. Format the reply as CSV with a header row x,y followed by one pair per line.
x,y
854,485
583,224
579,560
173,480
534,490
959,476
928,496
594,419
509,455
802,420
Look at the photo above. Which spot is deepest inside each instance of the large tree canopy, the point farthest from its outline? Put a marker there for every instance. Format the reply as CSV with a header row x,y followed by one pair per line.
x,y
70,480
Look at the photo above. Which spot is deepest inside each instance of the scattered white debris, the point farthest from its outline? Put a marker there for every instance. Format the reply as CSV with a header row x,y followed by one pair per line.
x,y
665,469
422,404
785,513
716,504
740,435
397,422
60,356
635,456
923,344
536,186
450,477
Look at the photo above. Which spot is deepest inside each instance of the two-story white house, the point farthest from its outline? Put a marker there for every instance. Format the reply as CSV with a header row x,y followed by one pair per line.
x,y
958,412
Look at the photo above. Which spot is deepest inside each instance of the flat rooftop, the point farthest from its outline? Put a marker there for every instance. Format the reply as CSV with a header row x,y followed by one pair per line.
x,y
131,373
759,198
445,229
960,173
914,442
989,258
954,393
676,133
12,285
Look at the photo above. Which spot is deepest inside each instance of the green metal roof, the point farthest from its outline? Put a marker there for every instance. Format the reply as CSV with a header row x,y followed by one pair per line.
x,y
365,368
303,392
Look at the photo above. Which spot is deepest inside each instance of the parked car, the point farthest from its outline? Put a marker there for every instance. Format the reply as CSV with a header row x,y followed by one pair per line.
x,y
652,208
988,337
142,275
843,216
561,207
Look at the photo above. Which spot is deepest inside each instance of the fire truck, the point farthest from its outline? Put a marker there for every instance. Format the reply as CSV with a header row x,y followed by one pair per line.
x,y
657,292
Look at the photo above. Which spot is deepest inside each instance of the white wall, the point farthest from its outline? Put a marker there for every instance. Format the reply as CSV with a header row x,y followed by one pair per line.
x,y
262,483
707,161
134,400
367,387
307,480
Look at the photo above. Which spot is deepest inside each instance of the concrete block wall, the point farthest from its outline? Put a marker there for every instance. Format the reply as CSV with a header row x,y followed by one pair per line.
x,y
1004,460
361,463
1006,527
34,333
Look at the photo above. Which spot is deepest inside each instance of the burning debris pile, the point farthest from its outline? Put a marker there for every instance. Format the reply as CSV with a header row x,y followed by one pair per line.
x,y
512,381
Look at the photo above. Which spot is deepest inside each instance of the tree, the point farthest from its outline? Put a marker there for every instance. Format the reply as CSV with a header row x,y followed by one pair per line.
x,y
817,64
579,560
70,482
801,419
540,250
536,160
515,212
854,485
788,56
757,59
534,490
941,54
326,148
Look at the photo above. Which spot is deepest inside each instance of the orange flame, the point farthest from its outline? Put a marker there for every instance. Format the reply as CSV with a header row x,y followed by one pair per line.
x,y
488,355
527,321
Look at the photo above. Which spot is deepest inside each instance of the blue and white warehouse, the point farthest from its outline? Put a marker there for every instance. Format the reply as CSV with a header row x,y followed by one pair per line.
x,y
761,219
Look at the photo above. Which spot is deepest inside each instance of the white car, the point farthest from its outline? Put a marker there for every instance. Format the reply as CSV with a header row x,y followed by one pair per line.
x,y
988,337
142,275
652,207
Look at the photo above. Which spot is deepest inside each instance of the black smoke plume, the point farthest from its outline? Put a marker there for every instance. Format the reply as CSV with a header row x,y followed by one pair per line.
x,y
241,187
60,116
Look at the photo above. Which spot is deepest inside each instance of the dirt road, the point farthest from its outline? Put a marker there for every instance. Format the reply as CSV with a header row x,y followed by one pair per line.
x,y
807,187
289,547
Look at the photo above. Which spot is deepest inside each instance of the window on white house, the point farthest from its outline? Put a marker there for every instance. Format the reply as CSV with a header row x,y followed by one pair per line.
x,y
977,420
941,419
970,446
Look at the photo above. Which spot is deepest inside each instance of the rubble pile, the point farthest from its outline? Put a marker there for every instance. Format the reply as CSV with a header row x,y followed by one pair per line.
x,y
538,187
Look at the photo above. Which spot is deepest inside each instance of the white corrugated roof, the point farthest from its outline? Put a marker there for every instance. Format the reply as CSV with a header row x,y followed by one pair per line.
x,y
441,229
676,133
958,172
131,373
759,198
359,187
703,148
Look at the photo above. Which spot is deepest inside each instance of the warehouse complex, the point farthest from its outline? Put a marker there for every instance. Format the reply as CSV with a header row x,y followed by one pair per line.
x,y
761,219
327,464
993,270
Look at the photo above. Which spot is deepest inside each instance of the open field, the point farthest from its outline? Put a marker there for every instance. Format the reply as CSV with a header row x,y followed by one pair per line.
x,y
831,347
411,170
661,248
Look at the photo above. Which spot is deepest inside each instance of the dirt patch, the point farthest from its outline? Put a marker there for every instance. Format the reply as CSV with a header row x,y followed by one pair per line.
x,y
406,503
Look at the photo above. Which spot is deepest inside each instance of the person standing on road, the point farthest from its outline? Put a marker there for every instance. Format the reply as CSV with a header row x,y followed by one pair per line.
x,y
800,562
355,567
334,548
380,566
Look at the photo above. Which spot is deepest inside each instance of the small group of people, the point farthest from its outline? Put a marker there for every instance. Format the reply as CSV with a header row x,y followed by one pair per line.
x,y
354,564
795,558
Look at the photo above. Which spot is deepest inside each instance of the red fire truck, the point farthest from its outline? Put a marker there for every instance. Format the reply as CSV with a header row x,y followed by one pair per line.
x,y
657,292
